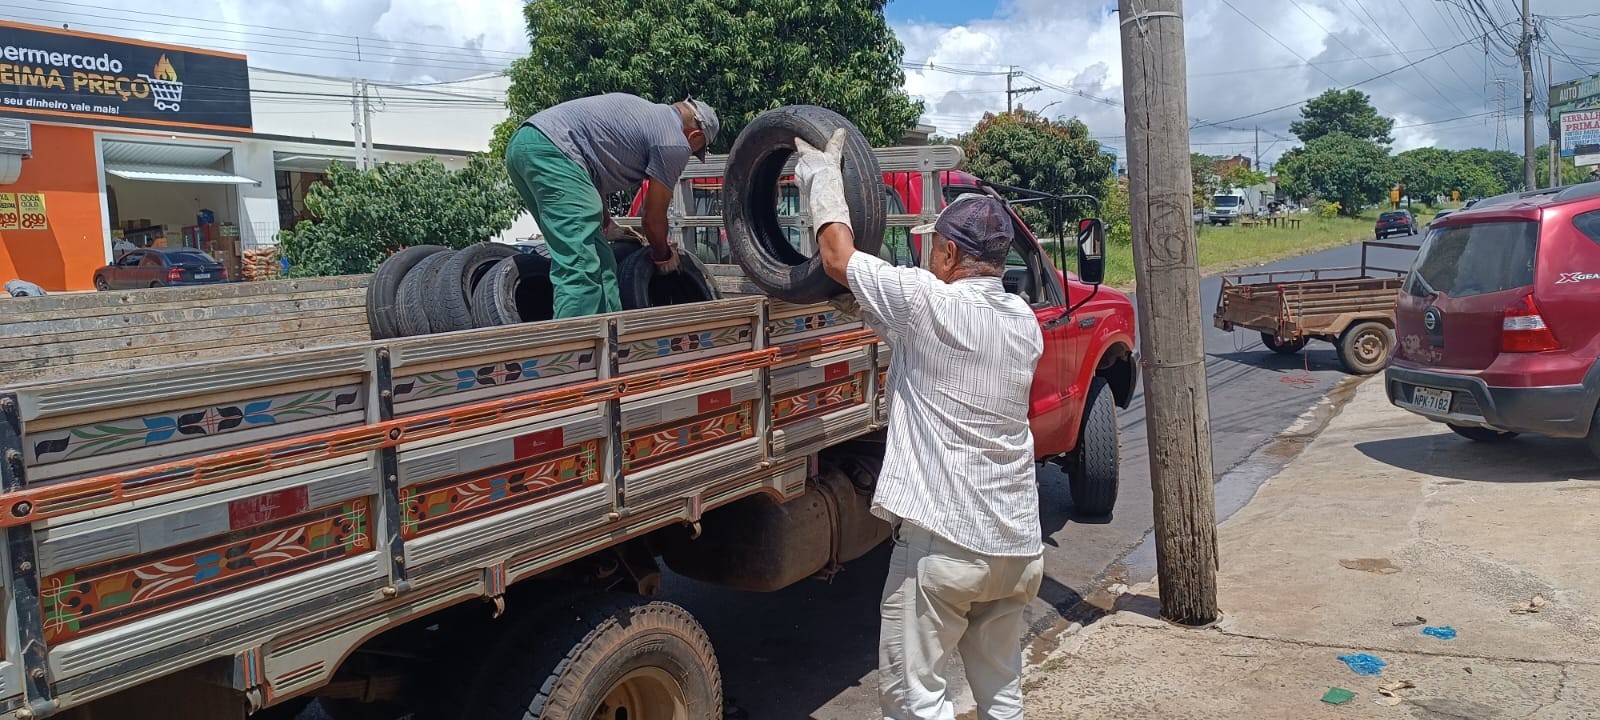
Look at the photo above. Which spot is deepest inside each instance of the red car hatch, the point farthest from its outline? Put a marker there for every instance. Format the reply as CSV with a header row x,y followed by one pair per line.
x,y
1469,294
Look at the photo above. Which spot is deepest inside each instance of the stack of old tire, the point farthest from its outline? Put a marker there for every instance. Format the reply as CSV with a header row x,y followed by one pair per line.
x,y
426,289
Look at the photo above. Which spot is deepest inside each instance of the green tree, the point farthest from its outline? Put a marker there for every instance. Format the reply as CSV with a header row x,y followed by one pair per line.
x,y
364,215
1342,111
1240,176
1351,171
1203,173
1427,172
1504,166
1570,174
1022,149
742,56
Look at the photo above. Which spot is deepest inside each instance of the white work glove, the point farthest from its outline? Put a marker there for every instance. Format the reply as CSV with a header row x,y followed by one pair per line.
x,y
669,265
822,180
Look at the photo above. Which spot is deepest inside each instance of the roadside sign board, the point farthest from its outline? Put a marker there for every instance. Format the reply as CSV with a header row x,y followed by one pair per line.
x,y
9,219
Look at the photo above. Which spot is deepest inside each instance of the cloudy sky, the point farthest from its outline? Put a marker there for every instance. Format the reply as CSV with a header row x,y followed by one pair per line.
x,y
1244,56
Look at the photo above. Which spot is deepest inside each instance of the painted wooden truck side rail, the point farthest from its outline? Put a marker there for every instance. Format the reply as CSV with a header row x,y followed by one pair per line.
x,y
272,513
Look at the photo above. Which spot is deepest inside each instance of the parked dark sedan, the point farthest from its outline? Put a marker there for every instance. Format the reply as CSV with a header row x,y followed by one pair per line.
x,y
1397,222
160,267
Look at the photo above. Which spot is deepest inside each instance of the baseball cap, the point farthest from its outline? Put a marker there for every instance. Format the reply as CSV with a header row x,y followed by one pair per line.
x,y
709,124
978,224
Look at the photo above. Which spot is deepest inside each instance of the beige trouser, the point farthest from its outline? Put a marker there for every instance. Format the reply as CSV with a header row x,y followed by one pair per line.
x,y
941,598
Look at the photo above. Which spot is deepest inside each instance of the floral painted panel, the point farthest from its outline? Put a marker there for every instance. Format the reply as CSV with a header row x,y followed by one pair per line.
x,y
454,500
661,443
817,401
446,382
151,430
660,347
83,600
805,323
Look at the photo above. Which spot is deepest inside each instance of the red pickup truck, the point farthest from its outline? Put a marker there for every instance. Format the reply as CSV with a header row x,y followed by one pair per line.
x,y
1088,367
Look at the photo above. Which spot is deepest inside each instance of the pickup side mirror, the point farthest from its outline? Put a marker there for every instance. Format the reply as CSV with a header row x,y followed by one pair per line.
x,y
1091,251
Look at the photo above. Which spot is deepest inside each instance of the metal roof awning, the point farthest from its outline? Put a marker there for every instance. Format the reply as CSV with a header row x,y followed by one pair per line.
x,y
167,173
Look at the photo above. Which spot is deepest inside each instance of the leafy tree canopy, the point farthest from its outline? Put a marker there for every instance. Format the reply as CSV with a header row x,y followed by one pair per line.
x,y
1351,171
1021,148
1342,111
364,215
743,57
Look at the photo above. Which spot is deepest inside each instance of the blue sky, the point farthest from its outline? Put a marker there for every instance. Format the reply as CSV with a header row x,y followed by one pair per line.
x,y
940,12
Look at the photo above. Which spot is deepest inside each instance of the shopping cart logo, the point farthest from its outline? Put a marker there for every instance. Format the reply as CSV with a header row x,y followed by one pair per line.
x,y
165,86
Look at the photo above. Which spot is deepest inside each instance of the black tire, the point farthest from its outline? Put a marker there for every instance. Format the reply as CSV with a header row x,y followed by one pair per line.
x,y
514,290
101,284
385,285
1282,346
450,305
1481,434
564,669
758,244
642,287
1593,439
1093,468
412,298
1364,347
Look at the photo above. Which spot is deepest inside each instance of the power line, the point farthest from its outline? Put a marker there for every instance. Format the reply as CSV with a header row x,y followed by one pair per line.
x,y
1417,66
1275,39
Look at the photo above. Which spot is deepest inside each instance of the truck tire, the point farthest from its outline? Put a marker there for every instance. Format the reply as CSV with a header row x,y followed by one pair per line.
x,y
451,302
639,659
642,287
382,316
1364,348
1093,468
517,289
757,242
1282,346
412,299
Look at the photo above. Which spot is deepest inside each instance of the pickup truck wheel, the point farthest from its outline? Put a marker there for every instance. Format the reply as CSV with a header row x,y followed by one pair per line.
x,y
385,286
642,287
1364,348
411,300
613,657
450,296
1282,346
514,290
1093,468
758,243
1481,434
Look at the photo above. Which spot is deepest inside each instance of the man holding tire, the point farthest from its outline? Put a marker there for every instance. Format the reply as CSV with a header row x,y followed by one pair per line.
x,y
564,159
957,483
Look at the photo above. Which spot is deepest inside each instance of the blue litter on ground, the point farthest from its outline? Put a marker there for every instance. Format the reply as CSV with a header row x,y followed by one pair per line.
x,y
1363,664
1443,633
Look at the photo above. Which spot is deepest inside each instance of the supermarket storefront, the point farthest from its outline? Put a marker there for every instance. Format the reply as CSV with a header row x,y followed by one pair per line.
x,y
118,144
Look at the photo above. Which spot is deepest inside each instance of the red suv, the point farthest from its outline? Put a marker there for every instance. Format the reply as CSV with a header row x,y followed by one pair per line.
x,y
1498,325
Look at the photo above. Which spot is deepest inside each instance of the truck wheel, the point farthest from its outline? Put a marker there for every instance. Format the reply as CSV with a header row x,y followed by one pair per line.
x,y
514,290
451,293
642,287
613,657
1364,348
758,243
1481,434
1281,346
385,286
411,300
1093,467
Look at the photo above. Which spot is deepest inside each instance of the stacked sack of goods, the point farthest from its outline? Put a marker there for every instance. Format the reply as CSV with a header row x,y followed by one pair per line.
x,y
261,264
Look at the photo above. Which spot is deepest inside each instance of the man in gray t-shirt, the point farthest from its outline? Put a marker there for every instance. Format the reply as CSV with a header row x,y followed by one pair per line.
x,y
563,159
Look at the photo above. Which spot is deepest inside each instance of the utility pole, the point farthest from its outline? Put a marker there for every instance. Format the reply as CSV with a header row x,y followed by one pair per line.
x,y
1525,51
369,158
355,124
1166,267
1014,73
1555,129
1256,164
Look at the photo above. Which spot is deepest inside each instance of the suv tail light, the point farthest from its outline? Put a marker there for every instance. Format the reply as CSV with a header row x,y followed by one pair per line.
x,y
175,275
1524,330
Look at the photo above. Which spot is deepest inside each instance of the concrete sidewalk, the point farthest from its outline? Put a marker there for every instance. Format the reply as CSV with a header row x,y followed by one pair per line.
x,y
1383,519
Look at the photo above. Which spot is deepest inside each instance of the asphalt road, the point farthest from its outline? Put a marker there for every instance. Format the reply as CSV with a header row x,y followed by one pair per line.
x,y
811,650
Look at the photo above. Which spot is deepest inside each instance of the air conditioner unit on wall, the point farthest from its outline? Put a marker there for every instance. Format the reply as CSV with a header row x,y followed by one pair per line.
x,y
15,137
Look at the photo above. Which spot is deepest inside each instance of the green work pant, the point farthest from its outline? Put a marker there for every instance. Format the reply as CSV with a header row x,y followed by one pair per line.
x,y
569,211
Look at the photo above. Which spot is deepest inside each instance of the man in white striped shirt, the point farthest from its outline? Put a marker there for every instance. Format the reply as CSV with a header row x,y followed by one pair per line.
x,y
958,475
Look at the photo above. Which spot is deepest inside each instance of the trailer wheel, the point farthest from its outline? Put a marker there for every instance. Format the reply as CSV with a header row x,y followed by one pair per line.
x,y
1282,346
514,290
451,294
1364,348
385,286
411,300
611,657
1093,467
642,287
758,243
